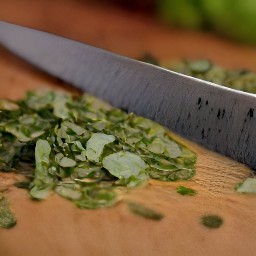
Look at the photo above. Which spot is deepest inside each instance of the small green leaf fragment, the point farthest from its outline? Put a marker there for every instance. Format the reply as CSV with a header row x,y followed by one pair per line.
x,y
23,184
211,221
60,108
170,173
96,197
186,191
42,153
8,105
124,164
43,181
74,127
41,193
39,99
69,192
200,66
145,212
248,186
7,218
67,162
96,144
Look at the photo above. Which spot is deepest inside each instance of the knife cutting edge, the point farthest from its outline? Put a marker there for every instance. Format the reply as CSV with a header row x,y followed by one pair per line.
x,y
219,118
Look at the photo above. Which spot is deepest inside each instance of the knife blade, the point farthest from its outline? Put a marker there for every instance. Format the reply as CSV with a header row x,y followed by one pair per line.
x,y
219,118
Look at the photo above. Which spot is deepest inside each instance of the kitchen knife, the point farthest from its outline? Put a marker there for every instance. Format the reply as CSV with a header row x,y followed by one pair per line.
x,y
219,118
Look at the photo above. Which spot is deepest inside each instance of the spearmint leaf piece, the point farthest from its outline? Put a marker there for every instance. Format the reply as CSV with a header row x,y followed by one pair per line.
x,y
69,191
186,191
248,186
97,197
14,128
157,146
74,127
164,146
124,165
60,108
43,181
172,149
132,181
200,66
96,144
67,162
144,212
8,105
42,153
41,192
7,218
96,103
27,127
152,128
170,173
39,99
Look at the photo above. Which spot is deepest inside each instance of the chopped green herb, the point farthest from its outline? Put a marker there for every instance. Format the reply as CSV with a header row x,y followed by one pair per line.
x,y
248,186
125,165
43,181
7,218
186,191
8,105
23,184
212,221
97,197
145,212
95,145
84,149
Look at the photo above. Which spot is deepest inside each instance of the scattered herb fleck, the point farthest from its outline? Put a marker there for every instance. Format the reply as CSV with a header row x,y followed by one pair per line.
x,y
7,218
22,184
145,212
186,191
212,221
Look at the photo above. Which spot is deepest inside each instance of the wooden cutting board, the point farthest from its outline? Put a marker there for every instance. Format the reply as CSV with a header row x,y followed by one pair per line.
x,y
56,227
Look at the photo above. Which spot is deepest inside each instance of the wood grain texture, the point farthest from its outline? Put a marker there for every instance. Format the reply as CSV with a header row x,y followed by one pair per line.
x,y
56,227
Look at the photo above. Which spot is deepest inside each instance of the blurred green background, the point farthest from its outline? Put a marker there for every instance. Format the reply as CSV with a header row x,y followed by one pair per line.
x,y
235,19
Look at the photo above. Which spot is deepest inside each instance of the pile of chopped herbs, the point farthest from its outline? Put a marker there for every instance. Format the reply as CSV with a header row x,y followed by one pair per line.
x,y
243,80
84,149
